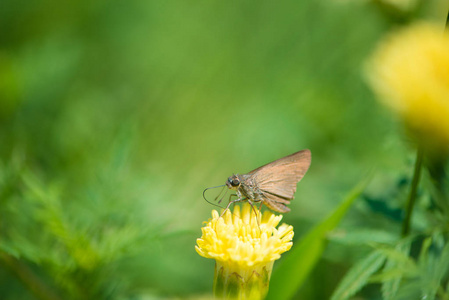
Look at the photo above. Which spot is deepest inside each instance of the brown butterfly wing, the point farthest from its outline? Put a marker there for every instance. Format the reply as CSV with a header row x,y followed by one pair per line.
x,y
279,178
275,203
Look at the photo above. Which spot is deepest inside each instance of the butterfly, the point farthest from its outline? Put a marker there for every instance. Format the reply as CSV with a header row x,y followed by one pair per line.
x,y
273,184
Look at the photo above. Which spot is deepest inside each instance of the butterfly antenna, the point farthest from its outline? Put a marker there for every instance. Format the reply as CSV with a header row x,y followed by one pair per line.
x,y
224,195
204,196
218,196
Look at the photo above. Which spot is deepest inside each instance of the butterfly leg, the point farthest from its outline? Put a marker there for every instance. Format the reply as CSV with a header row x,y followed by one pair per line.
x,y
232,202
255,213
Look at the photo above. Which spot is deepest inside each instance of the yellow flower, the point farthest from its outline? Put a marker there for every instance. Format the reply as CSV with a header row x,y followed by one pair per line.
x,y
244,249
410,74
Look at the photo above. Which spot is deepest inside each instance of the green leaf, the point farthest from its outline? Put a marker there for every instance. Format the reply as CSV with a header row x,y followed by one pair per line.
x,y
399,256
423,254
443,264
391,287
410,289
291,273
434,263
358,276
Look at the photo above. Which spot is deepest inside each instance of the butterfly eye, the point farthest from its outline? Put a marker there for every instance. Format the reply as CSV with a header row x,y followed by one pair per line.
x,y
235,182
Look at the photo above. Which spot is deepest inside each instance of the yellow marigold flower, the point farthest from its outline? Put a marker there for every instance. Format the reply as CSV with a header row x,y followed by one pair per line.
x,y
244,250
410,73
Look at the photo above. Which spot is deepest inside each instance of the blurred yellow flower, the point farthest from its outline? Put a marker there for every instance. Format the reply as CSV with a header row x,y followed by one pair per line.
x,y
244,249
410,73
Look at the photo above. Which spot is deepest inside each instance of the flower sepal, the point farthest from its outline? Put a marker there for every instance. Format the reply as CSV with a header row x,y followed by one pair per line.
x,y
232,283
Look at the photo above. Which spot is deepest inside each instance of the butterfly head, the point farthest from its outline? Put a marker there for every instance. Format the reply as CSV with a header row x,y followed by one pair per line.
x,y
233,182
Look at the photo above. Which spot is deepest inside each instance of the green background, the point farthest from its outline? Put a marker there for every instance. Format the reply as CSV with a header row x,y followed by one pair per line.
x,y
115,115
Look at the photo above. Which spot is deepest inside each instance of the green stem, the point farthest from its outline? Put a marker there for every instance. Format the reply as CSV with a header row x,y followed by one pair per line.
x,y
412,196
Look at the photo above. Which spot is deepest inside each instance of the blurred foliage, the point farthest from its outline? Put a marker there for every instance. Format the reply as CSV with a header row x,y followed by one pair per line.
x,y
293,271
115,115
